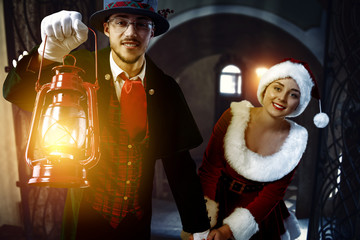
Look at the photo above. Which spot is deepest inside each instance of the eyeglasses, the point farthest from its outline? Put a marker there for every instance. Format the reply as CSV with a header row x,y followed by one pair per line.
x,y
121,24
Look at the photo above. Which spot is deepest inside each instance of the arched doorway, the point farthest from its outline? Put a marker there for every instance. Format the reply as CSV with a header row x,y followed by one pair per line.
x,y
252,43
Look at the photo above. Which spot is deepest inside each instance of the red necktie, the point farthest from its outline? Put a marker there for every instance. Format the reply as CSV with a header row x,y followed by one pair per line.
x,y
133,107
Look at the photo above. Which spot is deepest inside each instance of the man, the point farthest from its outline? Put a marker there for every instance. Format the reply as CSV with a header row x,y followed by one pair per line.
x,y
117,205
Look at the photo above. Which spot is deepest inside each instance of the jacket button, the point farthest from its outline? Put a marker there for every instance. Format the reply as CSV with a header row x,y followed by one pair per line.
x,y
151,91
107,77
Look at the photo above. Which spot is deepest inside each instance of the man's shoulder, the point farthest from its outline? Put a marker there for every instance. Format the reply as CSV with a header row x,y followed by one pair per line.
x,y
156,72
86,58
104,52
151,66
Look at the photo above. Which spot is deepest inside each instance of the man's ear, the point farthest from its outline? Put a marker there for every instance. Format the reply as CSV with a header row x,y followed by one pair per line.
x,y
106,28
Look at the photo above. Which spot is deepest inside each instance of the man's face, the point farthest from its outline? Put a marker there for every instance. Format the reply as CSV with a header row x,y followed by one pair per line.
x,y
129,36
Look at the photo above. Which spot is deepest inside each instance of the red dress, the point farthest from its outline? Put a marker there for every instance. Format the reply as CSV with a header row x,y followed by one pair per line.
x,y
244,189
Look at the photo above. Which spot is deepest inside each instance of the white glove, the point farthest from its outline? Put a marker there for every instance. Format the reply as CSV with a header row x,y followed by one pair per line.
x,y
65,32
201,236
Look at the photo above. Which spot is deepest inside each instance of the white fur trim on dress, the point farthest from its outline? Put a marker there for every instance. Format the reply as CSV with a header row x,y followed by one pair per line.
x,y
242,224
292,228
296,71
212,208
285,236
254,166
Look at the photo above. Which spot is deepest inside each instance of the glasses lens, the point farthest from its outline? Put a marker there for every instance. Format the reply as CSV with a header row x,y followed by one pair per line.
x,y
121,24
143,25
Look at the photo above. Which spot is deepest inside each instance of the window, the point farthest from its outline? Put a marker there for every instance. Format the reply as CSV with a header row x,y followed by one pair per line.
x,y
230,80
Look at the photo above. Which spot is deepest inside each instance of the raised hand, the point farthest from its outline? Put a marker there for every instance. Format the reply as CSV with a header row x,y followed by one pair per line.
x,y
222,233
65,31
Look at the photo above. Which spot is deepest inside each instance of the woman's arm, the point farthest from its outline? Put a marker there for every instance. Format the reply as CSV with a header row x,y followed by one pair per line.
x,y
213,161
244,221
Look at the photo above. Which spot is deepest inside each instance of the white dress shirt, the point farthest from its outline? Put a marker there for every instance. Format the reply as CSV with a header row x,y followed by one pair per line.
x,y
116,71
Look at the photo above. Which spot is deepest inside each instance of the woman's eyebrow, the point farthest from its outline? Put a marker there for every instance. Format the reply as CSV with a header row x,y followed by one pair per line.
x,y
293,89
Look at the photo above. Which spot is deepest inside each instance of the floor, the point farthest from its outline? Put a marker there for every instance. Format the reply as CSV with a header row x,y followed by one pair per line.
x,y
166,223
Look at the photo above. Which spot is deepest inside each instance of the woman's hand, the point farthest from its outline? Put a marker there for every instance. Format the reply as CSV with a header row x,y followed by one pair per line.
x,y
221,233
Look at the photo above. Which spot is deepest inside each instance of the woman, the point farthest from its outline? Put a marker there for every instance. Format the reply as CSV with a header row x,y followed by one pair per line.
x,y
252,156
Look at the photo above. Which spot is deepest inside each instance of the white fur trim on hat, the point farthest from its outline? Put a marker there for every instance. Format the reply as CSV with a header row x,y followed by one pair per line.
x,y
242,224
321,120
289,69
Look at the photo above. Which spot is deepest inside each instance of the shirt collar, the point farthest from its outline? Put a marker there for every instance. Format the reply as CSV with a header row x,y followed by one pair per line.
x,y
116,70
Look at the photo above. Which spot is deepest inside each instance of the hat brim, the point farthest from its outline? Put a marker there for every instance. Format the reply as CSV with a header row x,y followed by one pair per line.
x,y
98,18
288,69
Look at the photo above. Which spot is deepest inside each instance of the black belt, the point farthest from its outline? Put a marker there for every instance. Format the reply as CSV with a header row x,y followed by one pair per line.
x,y
240,187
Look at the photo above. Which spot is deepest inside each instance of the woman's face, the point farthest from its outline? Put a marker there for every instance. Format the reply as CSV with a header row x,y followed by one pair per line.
x,y
282,97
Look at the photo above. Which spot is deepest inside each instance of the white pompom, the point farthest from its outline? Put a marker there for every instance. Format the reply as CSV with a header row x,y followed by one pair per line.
x,y
321,120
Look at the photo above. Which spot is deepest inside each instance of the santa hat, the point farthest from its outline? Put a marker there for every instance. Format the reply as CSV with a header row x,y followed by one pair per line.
x,y
301,73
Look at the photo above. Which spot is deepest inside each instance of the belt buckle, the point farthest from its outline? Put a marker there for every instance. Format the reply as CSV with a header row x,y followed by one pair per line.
x,y
237,187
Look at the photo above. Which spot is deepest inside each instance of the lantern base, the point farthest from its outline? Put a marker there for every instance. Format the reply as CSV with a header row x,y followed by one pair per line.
x,y
59,176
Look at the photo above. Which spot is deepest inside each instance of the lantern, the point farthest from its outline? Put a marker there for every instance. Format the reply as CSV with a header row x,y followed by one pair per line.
x,y
64,134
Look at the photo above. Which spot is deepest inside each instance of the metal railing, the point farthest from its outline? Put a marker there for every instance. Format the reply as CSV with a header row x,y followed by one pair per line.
x,y
336,206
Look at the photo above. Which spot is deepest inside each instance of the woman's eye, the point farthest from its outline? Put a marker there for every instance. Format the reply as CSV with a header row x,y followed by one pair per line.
x,y
294,95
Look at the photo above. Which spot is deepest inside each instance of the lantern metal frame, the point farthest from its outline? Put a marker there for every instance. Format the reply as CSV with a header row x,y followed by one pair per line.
x,y
65,173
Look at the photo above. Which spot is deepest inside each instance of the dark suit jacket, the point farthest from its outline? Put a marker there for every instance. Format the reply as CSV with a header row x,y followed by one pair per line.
x,y
172,129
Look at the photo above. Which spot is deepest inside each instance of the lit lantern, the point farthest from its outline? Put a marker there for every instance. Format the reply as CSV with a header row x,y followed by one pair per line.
x,y
64,134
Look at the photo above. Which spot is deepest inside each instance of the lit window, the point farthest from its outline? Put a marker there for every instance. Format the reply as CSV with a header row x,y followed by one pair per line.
x,y
230,80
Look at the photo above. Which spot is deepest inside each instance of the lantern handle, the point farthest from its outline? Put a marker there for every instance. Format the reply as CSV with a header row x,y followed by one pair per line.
x,y
69,56
96,62
37,85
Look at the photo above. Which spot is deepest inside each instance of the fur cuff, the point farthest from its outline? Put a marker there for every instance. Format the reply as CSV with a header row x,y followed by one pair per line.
x,y
212,208
292,227
242,224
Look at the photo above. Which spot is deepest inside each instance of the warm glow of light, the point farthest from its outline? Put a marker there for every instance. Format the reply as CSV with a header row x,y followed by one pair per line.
x,y
260,71
63,129
59,135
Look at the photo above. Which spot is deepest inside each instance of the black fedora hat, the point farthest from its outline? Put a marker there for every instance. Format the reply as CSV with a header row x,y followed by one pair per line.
x,y
138,7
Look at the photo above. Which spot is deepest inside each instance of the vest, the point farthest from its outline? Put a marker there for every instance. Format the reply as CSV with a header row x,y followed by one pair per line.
x,y
115,180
